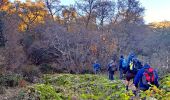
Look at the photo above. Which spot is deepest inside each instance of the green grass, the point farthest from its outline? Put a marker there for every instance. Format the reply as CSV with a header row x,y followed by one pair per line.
x,y
87,87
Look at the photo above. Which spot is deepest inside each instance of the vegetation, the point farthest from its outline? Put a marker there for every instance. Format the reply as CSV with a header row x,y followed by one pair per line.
x,y
44,32
45,37
93,87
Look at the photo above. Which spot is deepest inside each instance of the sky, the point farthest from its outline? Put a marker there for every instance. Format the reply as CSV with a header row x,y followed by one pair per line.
x,y
155,10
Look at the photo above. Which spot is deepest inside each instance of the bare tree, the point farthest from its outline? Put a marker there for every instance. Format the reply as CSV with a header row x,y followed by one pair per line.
x,y
105,11
130,11
87,9
53,7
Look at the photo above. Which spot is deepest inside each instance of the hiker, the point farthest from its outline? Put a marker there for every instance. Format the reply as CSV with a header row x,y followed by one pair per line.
x,y
122,66
132,70
146,77
130,57
96,67
111,69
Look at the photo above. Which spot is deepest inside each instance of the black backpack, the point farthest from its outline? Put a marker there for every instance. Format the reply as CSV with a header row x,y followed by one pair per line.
x,y
135,65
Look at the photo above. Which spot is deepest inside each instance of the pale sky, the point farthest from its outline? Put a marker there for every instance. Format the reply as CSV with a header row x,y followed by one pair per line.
x,y
156,10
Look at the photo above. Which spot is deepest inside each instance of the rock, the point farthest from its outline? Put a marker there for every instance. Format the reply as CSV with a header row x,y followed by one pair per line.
x,y
2,90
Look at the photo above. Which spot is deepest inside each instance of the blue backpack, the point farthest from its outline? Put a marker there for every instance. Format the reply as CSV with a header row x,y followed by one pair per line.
x,y
124,63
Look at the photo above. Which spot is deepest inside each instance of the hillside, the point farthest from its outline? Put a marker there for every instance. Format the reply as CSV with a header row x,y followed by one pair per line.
x,y
42,39
88,87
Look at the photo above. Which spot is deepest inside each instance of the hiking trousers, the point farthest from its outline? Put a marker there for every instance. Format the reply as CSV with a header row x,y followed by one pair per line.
x,y
111,75
120,73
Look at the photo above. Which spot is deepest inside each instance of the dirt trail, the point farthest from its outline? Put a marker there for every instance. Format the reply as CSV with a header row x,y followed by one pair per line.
x,y
131,86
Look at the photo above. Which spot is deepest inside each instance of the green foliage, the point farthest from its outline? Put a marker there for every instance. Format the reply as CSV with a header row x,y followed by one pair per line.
x,y
90,87
39,92
47,92
165,83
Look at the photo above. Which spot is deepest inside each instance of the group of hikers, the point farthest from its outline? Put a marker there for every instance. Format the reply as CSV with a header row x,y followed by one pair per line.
x,y
143,76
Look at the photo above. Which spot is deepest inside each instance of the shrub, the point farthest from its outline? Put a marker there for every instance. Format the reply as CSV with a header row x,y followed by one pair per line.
x,y
45,68
39,92
43,55
30,73
88,87
10,79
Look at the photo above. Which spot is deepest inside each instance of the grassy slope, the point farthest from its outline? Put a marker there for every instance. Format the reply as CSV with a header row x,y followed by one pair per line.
x,y
88,87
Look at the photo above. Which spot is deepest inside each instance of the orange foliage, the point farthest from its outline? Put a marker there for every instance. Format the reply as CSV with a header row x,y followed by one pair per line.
x,y
69,13
164,24
31,14
93,48
5,5
69,16
22,83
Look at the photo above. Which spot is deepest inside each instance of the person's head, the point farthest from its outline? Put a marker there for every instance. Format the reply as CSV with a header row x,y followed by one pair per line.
x,y
132,54
96,61
121,56
111,61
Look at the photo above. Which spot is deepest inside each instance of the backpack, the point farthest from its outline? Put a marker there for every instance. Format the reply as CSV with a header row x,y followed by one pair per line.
x,y
112,67
124,63
138,64
148,76
133,67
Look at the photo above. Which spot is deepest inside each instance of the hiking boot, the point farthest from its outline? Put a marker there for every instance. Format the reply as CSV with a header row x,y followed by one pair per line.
x,y
134,92
127,88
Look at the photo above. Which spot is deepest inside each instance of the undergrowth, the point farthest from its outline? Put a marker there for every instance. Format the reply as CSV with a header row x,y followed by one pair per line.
x,y
90,87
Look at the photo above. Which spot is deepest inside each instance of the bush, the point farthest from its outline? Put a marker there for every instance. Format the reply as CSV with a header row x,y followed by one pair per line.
x,y
10,79
30,73
39,92
46,69
43,55
88,87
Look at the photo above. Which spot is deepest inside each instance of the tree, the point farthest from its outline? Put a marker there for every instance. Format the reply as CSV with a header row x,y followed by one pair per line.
x,y
53,7
30,14
130,11
4,4
87,9
69,14
105,11
2,38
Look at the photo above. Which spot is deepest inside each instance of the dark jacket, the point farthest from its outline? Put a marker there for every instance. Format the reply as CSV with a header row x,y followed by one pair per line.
x,y
112,67
120,62
130,57
138,78
137,66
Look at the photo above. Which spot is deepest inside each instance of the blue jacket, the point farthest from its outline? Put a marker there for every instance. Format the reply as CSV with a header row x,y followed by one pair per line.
x,y
120,63
138,78
96,66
